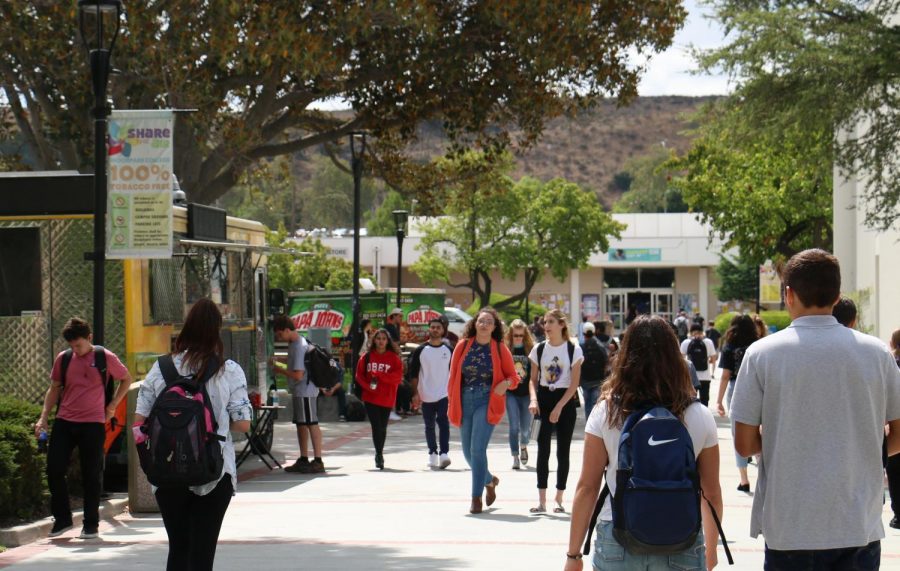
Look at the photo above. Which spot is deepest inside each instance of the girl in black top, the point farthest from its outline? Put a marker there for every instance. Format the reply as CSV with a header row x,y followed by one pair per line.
x,y
520,342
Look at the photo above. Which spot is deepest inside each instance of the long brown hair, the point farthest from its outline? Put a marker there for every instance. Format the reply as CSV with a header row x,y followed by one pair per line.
x,y
496,334
199,336
391,344
558,315
528,340
648,369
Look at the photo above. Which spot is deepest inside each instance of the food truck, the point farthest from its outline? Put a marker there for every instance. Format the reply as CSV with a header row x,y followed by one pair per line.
x,y
46,227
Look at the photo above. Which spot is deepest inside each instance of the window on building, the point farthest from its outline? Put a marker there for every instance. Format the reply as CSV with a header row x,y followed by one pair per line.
x,y
657,277
620,277
20,271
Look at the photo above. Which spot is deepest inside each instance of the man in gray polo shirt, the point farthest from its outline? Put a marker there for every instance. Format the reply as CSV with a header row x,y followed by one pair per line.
x,y
822,394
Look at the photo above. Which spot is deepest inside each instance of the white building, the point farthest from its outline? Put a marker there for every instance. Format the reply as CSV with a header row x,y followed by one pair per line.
x,y
662,263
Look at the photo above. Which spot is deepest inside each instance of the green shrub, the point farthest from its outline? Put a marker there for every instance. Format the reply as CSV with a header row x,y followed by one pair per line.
x,y
780,319
22,479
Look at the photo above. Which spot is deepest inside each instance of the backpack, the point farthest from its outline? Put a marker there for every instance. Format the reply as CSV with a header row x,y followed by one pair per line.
x,y
696,352
99,363
656,509
681,326
593,369
321,368
183,445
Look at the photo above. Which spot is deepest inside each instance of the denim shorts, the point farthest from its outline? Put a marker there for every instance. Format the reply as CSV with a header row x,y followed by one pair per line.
x,y
609,555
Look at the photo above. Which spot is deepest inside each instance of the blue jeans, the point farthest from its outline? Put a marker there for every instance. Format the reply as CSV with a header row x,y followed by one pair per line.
x,y
609,555
591,394
519,421
476,433
436,413
864,558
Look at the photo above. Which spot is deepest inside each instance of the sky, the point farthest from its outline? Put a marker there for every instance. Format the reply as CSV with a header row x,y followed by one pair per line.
x,y
668,74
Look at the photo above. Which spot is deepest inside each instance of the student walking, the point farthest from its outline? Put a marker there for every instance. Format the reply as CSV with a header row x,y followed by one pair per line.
x,y
429,373
379,373
593,369
193,515
650,371
822,394
304,397
893,462
78,386
701,352
740,335
519,341
481,371
554,390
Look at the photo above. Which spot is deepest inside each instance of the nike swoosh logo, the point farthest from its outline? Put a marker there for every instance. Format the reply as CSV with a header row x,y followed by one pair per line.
x,y
652,442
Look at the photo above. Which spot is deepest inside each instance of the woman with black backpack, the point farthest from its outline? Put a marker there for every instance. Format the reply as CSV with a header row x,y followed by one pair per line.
x,y
649,378
742,333
193,514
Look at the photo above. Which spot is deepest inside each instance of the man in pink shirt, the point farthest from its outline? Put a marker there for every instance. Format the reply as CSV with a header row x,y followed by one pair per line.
x,y
80,422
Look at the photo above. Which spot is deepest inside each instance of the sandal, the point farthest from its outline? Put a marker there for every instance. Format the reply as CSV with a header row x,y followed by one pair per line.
x,y
559,509
541,508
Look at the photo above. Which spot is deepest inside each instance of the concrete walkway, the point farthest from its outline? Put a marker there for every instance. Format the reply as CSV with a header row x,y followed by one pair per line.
x,y
406,517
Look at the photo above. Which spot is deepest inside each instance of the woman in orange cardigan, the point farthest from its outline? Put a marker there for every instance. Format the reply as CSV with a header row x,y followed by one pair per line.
x,y
481,371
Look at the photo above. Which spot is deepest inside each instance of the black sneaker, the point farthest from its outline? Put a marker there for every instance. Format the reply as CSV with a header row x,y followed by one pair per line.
x,y
59,528
299,466
89,532
379,461
744,488
895,522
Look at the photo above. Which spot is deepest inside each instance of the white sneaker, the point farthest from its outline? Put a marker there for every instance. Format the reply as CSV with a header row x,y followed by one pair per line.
x,y
516,465
445,461
395,416
433,461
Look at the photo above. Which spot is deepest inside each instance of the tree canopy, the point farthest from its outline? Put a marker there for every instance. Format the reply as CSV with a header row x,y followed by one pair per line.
x,y
255,71
522,230
317,269
810,67
649,187
738,279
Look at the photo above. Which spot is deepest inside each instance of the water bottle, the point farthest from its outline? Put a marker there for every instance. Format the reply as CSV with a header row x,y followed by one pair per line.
x,y
42,441
274,396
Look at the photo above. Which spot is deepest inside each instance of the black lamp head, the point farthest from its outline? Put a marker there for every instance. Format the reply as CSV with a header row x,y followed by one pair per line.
x,y
400,219
99,22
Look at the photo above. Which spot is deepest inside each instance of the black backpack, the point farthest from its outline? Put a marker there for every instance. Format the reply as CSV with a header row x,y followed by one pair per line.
x,y
696,352
180,450
593,369
321,369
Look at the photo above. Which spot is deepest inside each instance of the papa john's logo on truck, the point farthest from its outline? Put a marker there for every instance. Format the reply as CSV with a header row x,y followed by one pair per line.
x,y
422,316
319,316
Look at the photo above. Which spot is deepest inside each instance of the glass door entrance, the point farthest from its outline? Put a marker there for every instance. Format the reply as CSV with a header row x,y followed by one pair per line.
x,y
622,306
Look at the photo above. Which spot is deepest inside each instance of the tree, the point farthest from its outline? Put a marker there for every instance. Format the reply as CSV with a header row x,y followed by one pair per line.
x,y
738,279
254,70
649,188
769,196
521,230
314,269
380,222
820,66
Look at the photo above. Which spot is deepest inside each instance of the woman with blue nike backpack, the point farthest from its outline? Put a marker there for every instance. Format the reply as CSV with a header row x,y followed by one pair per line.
x,y
657,449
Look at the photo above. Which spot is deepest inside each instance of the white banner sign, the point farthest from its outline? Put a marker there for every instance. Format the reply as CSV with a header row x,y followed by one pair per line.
x,y
139,193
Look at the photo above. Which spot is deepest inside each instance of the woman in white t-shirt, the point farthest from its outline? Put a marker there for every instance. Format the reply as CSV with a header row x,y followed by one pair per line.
x,y
648,369
554,392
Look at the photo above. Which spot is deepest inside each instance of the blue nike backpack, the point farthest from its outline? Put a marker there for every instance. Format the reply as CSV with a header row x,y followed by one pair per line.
x,y
656,509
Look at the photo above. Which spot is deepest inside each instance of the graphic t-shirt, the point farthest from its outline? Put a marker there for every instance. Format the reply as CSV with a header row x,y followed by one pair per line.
x,y
523,368
477,367
555,369
730,360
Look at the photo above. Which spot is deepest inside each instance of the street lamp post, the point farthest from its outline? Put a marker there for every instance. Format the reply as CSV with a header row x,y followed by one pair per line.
x,y
357,150
400,218
99,24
